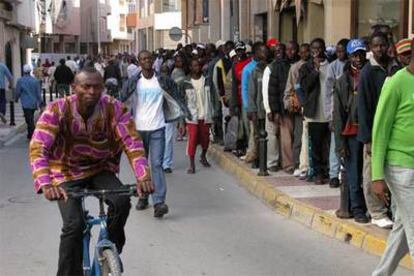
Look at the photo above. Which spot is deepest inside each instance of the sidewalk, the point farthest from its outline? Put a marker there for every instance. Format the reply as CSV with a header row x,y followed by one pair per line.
x,y
7,131
304,202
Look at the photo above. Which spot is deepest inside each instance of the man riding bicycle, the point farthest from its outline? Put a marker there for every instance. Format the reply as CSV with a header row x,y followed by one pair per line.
x,y
77,143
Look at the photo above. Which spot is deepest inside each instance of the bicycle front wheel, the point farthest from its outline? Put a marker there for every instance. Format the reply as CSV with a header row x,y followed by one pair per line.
x,y
110,263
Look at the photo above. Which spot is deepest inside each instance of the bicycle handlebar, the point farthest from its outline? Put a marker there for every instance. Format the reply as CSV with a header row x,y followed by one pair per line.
x,y
127,190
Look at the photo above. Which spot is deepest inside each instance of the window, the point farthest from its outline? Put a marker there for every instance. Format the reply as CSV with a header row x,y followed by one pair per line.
x,y
171,5
378,12
122,22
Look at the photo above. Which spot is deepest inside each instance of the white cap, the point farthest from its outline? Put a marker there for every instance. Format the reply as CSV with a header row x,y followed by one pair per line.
x,y
232,53
220,43
194,52
27,68
201,46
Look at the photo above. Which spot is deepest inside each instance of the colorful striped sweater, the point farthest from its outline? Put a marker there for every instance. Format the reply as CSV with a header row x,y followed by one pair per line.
x,y
64,147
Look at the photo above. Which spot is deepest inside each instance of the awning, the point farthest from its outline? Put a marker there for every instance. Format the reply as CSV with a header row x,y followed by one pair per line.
x,y
280,5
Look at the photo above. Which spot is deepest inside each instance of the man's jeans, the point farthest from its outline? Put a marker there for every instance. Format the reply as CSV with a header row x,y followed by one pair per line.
x,y
71,247
273,145
297,139
376,208
154,144
400,241
29,118
3,101
334,162
353,166
169,144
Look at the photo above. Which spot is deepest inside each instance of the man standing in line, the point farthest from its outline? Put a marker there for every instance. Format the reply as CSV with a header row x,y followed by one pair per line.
x,y
393,163
4,73
251,154
345,122
155,101
293,105
277,114
29,92
335,70
312,80
378,68
236,98
255,108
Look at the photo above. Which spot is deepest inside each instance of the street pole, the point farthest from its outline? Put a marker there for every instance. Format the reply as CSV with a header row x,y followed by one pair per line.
x,y
98,25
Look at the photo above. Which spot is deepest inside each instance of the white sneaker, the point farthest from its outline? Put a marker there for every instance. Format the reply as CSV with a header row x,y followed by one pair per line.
x,y
243,157
296,173
384,223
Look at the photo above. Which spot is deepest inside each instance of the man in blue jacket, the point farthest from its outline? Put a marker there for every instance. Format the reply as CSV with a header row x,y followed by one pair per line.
x,y
29,92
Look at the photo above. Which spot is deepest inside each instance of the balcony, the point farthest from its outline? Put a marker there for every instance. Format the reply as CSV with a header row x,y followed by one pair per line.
x,y
131,20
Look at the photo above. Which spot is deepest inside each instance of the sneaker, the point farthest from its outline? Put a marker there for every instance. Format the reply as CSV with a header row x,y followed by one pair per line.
x,y
243,157
384,223
167,170
361,218
142,203
303,175
160,209
297,173
334,183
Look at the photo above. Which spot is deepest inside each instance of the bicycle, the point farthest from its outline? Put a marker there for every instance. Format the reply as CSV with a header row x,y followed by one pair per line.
x,y
106,260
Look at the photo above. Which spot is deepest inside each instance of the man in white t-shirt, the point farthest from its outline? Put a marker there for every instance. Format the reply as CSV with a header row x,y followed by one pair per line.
x,y
155,101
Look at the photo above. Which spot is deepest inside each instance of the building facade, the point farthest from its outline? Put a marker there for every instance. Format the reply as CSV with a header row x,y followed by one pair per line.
x,y
300,20
155,19
17,22
58,26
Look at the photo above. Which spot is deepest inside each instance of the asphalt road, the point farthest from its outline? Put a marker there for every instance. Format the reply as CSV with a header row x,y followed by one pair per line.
x,y
214,228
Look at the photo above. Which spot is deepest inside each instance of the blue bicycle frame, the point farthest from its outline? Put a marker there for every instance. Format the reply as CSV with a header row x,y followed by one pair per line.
x,y
103,242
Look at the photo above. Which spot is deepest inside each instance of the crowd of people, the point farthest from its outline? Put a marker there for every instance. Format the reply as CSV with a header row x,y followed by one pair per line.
x,y
320,107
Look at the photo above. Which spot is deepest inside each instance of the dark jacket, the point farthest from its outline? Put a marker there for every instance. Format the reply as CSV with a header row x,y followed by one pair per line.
x,y
279,72
310,84
369,90
174,107
255,91
345,108
63,75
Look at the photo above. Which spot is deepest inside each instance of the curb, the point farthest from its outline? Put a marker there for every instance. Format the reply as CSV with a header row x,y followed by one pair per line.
x,y
314,218
18,129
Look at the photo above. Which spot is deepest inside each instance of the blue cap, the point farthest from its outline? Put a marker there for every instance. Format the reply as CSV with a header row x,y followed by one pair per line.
x,y
355,45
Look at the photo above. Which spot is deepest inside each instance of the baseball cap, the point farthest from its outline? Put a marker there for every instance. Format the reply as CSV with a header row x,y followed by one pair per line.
x,y
27,68
201,46
403,46
272,42
220,43
355,45
240,46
